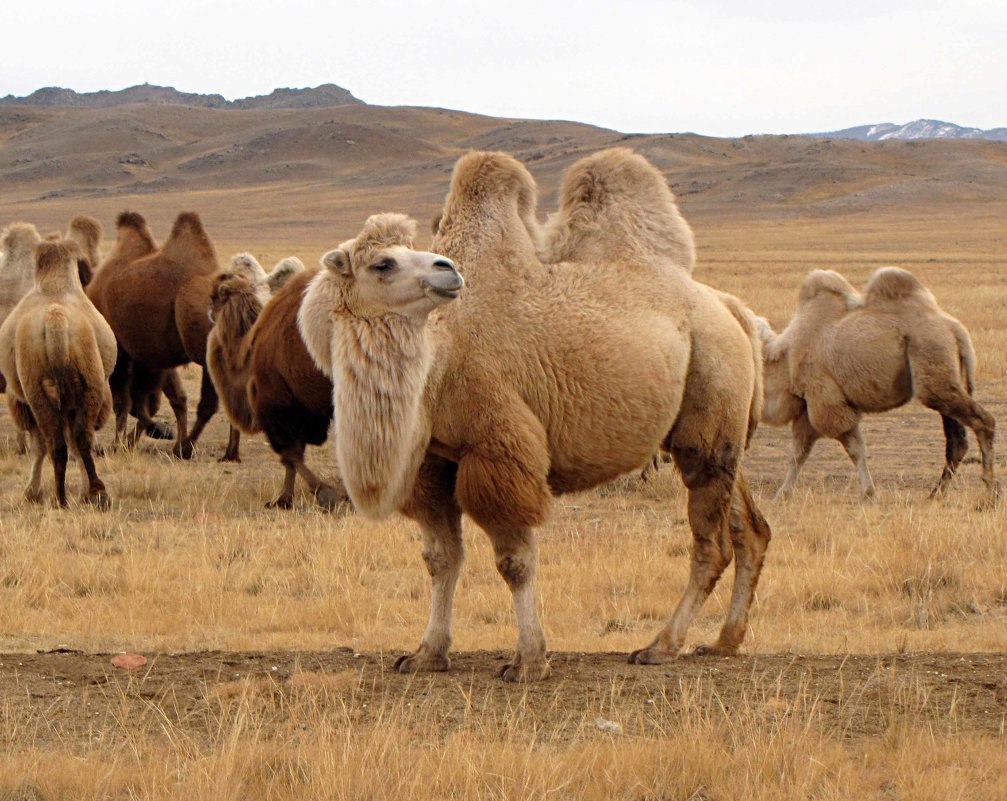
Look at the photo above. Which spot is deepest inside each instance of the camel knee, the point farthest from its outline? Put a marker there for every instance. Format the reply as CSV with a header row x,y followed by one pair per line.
x,y
514,569
439,561
701,468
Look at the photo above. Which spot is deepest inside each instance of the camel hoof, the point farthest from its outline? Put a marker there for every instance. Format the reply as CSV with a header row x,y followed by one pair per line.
x,y
283,502
33,496
183,450
716,650
422,662
230,457
652,656
522,672
329,498
99,500
159,430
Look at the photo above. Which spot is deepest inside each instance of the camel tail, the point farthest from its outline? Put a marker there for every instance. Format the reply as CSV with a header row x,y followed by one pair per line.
x,y
56,335
966,355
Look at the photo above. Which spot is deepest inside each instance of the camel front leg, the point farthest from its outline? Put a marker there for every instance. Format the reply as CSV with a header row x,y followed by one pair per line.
x,y
433,506
179,402
443,553
517,561
327,496
803,438
855,447
285,500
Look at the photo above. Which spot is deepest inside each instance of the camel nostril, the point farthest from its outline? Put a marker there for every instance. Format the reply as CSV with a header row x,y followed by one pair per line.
x,y
445,264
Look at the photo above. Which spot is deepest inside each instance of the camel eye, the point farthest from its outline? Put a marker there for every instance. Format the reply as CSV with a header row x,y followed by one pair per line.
x,y
383,266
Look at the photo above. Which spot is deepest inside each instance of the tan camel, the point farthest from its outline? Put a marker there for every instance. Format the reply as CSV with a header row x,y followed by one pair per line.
x,y
843,356
158,302
538,382
266,284
267,381
57,353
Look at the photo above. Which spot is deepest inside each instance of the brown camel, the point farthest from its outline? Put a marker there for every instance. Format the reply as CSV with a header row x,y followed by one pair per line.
x,y
538,382
843,356
57,353
267,381
158,302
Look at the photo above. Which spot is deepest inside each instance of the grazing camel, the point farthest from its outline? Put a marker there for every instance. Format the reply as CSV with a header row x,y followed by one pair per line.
x,y
157,302
266,284
267,381
543,379
843,356
57,353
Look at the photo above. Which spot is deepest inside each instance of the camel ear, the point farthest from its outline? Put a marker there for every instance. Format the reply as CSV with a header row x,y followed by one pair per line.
x,y
337,261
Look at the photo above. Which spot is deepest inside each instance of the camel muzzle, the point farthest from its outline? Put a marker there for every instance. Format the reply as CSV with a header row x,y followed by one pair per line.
x,y
447,282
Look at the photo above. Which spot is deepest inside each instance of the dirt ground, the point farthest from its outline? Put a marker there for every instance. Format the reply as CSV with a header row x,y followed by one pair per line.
x,y
70,698
77,694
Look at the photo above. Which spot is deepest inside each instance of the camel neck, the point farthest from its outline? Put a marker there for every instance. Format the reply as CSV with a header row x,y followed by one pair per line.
x,y
380,368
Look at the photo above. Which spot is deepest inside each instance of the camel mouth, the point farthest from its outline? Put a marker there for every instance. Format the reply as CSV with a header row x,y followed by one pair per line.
x,y
446,284
445,292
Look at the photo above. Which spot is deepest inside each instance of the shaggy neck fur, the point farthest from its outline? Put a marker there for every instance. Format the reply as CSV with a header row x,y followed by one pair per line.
x,y
229,354
379,371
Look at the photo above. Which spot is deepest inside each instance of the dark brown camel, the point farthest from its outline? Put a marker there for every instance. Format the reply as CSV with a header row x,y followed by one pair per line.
x,y
268,382
157,302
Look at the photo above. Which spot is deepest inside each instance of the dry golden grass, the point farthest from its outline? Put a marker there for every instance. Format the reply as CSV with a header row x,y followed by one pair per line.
x,y
188,560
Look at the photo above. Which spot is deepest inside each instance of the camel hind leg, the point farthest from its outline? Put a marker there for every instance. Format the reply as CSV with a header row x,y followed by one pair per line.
x,y
710,481
961,408
82,441
956,445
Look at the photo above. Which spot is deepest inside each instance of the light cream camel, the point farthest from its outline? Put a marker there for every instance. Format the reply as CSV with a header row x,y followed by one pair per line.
x,y
266,284
843,356
57,353
267,381
544,379
17,267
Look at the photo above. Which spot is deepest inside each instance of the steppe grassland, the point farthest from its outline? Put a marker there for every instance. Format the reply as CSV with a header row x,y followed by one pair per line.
x,y
188,559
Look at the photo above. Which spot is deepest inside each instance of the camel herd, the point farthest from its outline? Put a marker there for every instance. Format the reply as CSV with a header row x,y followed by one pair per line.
x,y
515,361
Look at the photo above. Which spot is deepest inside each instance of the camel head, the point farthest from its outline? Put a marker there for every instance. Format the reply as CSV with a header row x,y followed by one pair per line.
x,y
234,302
378,273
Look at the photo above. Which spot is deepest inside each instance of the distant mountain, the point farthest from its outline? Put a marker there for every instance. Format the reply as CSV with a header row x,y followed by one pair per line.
x,y
918,129
324,96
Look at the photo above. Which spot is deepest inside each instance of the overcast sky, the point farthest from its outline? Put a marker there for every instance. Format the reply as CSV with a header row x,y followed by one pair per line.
x,y
719,67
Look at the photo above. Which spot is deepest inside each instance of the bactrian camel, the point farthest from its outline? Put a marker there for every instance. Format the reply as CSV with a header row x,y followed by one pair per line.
x,y
267,381
843,355
158,303
57,353
543,379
